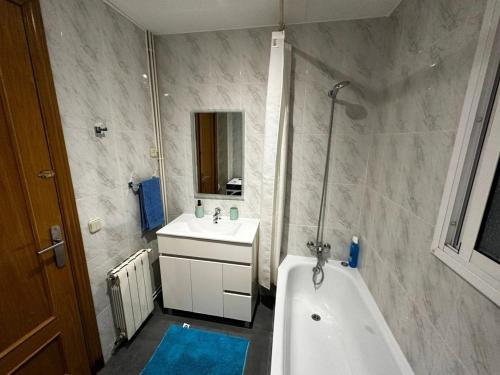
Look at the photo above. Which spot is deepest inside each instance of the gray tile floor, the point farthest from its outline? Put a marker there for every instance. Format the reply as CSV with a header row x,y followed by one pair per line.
x,y
131,357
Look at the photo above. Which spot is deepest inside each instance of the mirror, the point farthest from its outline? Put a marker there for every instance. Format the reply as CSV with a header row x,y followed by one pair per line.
x,y
218,154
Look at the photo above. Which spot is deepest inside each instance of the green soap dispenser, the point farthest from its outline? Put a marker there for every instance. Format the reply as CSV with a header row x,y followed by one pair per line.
x,y
199,211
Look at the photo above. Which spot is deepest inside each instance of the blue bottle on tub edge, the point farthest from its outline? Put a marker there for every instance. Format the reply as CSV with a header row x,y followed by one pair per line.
x,y
354,252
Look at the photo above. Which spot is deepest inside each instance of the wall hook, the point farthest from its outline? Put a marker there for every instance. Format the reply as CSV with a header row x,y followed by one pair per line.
x,y
100,128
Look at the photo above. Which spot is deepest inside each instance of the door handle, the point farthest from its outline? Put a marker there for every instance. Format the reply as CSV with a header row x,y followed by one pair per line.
x,y
59,253
57,246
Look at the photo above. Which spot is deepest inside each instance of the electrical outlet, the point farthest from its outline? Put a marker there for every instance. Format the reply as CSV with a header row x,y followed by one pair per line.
x,y
95,225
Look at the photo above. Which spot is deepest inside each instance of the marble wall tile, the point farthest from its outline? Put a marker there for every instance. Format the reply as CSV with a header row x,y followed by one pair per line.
x,y
420,341
339,240
134,159
432,290
255,47
78,72
395,149
175,153
93,161
322,54
366,226
395,306
232,77
225,96
474,331
416,20
371,268
384,215
297,101
189,59
305,198
254,151
182,100
226,57
408,235
374,165
177,196
311,152
106,331
448,363
443,325
133,216
298,236
99,64
343,210
253,98
77,81
350,158
424,172
452,18
355,112
317,108
439,81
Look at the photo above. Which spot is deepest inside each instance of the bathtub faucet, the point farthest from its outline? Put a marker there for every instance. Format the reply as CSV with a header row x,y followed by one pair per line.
x,y
322,252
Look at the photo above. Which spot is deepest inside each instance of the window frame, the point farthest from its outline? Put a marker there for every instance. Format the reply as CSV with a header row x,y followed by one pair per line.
x,y
474,267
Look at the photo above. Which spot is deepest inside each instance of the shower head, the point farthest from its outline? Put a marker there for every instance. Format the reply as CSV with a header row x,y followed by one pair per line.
x,y
340,85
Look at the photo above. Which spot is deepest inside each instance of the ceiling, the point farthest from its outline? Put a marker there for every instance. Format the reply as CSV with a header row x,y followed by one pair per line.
x,y
182,16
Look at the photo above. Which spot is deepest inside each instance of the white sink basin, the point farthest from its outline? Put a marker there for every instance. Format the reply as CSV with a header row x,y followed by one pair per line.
x,y
187,225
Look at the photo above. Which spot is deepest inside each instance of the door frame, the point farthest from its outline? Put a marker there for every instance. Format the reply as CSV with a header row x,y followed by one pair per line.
x,y
57,150
197,148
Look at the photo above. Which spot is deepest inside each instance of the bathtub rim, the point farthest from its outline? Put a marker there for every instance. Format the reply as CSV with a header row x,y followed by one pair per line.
x,y
293,261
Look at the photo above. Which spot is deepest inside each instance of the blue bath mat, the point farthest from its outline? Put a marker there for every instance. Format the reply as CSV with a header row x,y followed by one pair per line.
x,y
188,351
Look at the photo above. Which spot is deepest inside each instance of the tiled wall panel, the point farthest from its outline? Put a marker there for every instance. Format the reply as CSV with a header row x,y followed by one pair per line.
x,y
100,70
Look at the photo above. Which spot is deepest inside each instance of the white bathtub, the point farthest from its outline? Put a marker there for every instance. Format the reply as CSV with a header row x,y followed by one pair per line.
x,y
352,336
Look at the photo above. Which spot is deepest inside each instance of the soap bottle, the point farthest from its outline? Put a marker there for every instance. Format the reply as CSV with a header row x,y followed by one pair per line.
x,y
354,252
199,211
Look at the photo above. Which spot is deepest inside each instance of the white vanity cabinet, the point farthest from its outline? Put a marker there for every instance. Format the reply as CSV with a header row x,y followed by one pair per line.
x,y
208,276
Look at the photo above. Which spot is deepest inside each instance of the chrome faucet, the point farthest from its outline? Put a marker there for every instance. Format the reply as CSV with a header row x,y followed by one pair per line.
x,y
322,252
217,215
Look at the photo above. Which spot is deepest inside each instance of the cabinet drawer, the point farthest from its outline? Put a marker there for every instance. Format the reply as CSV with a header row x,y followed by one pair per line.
x,y
237,278
203,249
237,306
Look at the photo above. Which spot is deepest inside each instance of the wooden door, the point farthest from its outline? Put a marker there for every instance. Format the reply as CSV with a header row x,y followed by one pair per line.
x,y
206,139
40,325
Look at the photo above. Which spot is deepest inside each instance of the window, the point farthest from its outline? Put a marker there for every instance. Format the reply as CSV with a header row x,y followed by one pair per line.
x,y
468,228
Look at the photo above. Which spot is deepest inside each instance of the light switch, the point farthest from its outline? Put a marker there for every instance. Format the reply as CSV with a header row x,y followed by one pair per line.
x,y
153,153
95,225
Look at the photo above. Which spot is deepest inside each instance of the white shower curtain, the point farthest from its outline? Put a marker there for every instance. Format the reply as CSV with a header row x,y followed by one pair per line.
x,y
274,164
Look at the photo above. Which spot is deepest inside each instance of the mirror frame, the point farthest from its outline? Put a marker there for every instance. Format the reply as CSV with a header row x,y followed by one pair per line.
x,y
195,159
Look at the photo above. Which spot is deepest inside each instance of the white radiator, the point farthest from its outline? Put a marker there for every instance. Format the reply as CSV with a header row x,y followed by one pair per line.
x,y
131,293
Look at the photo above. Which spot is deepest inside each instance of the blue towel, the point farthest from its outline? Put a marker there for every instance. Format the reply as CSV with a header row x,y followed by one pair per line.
x,y
152,215
184,351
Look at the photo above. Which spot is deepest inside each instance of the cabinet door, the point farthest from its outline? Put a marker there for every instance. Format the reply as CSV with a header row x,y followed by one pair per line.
x,y
176,283
206,282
